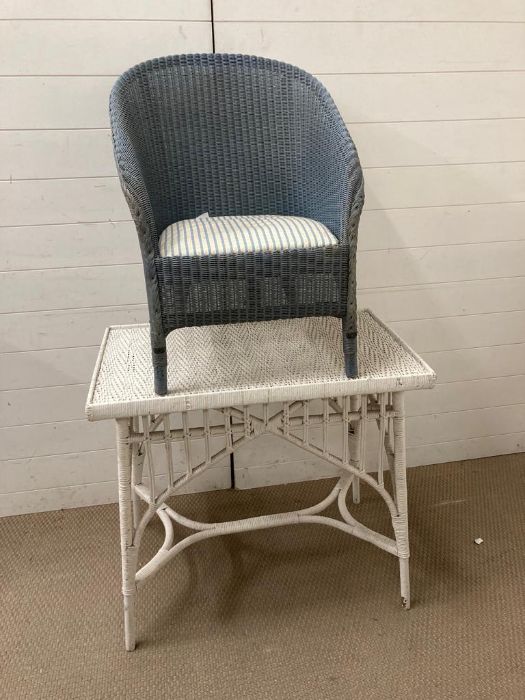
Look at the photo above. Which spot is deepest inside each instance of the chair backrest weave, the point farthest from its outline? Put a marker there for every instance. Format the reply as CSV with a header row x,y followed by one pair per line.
x,y
229,135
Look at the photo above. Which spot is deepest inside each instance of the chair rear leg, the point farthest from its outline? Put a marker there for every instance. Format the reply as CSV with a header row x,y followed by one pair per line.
x,y
350,352
160,368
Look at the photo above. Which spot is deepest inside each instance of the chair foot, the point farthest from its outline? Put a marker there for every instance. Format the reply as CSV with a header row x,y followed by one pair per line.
x,y
350,354
160,370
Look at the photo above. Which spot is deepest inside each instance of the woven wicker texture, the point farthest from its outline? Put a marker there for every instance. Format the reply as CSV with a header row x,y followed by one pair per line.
x,y
249,363
231,135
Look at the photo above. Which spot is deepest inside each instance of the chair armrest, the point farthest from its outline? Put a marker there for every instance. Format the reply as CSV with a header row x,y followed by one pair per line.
x,y
338,176
131,168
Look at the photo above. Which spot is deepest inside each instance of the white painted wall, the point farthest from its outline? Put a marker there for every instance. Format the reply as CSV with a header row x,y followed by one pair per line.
x,y
70,259
434,96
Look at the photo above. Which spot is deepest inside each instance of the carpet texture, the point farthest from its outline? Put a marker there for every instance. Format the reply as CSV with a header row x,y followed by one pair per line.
x,y
296,612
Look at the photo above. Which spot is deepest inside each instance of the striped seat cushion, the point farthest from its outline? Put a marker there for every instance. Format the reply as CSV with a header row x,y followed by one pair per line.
x,y
212,235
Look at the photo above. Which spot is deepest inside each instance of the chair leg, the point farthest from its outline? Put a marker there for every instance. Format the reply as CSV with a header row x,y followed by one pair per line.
x,y
160,369
350,353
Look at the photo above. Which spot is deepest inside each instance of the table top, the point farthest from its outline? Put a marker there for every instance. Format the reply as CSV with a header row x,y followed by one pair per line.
x,y
249,363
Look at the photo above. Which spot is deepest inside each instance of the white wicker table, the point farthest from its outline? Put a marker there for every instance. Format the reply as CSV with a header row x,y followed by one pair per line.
x,y
244,380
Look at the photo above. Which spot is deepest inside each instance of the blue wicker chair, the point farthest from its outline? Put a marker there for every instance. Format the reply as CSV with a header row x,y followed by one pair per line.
x,y
246,192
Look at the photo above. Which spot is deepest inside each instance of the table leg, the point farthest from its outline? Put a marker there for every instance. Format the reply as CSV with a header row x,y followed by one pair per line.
x,y
400,480
355,452
137,465
128,554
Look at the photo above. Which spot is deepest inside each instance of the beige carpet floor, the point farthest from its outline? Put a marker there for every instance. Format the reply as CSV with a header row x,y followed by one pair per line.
x,y
297,612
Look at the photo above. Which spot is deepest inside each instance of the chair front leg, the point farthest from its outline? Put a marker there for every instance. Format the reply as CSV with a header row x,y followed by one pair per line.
x,y
160,368
350,348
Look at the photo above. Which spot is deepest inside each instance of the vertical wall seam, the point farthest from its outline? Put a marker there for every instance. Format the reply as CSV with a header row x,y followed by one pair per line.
x,y
212,18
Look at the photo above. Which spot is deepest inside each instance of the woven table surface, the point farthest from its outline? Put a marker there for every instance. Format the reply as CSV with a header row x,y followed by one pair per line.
x,y
249,363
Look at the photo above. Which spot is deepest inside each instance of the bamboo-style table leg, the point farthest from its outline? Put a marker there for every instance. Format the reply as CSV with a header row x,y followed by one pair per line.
x,y
399,478
355,402
137,466
127,529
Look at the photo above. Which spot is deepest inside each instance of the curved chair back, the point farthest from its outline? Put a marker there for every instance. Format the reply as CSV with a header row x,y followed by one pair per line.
x,y
229,134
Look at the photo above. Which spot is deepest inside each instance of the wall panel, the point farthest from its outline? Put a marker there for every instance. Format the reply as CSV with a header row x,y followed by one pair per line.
x,y
70,262
381,47
365,11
